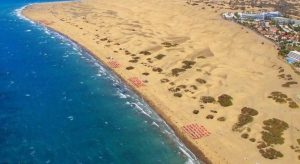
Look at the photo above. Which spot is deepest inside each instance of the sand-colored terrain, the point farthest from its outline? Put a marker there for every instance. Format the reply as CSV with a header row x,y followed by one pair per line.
x,y
182,54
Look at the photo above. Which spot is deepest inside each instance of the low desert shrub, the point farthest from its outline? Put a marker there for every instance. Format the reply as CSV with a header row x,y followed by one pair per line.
x,y
210,117
225,100
221,119
273,131
130,68
145,53
245,135
271,153
159,56
201,81
207,99
177,94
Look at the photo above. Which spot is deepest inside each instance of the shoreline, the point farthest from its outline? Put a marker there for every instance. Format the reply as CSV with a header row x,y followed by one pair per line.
x,y
196,151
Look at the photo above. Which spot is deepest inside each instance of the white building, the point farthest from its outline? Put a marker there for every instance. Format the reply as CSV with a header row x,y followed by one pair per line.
x,y
259,16
293,56
228,15
282,20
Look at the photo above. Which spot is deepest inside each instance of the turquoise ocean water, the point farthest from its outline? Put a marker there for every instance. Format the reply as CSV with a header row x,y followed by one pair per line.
x,y
59,105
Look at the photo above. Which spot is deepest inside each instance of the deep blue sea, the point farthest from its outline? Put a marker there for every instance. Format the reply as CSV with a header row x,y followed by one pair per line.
x,y
59,105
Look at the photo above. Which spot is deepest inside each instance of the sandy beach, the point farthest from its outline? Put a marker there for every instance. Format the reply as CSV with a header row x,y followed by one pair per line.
x,y
220,86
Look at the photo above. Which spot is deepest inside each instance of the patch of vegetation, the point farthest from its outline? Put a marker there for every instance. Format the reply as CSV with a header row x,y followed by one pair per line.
x,y
130,68
145,73
221,119
168,44
164,80
201,81
172,89
210,117
293,104
213,111
273,131
225,100
244,118
283,98
245,135
288,84
249,111
188,64
270,153
262,145
157,69
177,94
145,53
201,57
176,71
159,56
181,86
133,61
278,97
252,139
196,111
207,99
127,52
194,87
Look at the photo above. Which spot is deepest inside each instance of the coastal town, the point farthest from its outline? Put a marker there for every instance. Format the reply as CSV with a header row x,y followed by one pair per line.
x,y
285,32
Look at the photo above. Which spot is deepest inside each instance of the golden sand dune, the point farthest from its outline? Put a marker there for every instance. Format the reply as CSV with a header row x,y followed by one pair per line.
x,y
193,67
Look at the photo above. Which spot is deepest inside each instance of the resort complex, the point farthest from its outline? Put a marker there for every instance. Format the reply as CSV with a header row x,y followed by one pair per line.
x,y
285,32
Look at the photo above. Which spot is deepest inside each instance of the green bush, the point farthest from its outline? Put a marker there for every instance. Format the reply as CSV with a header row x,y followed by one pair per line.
x,y
194,87
245,135
273,131
177,94
129,68
159,56
176,71
188,64
157,69
252,139
270,153
133,61
145,53
225,100
196,111
293,104
221,119
164,80
168,44
201,81
249,111
207,99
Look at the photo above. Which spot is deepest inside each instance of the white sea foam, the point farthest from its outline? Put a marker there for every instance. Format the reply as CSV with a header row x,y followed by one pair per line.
x,y
155,124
